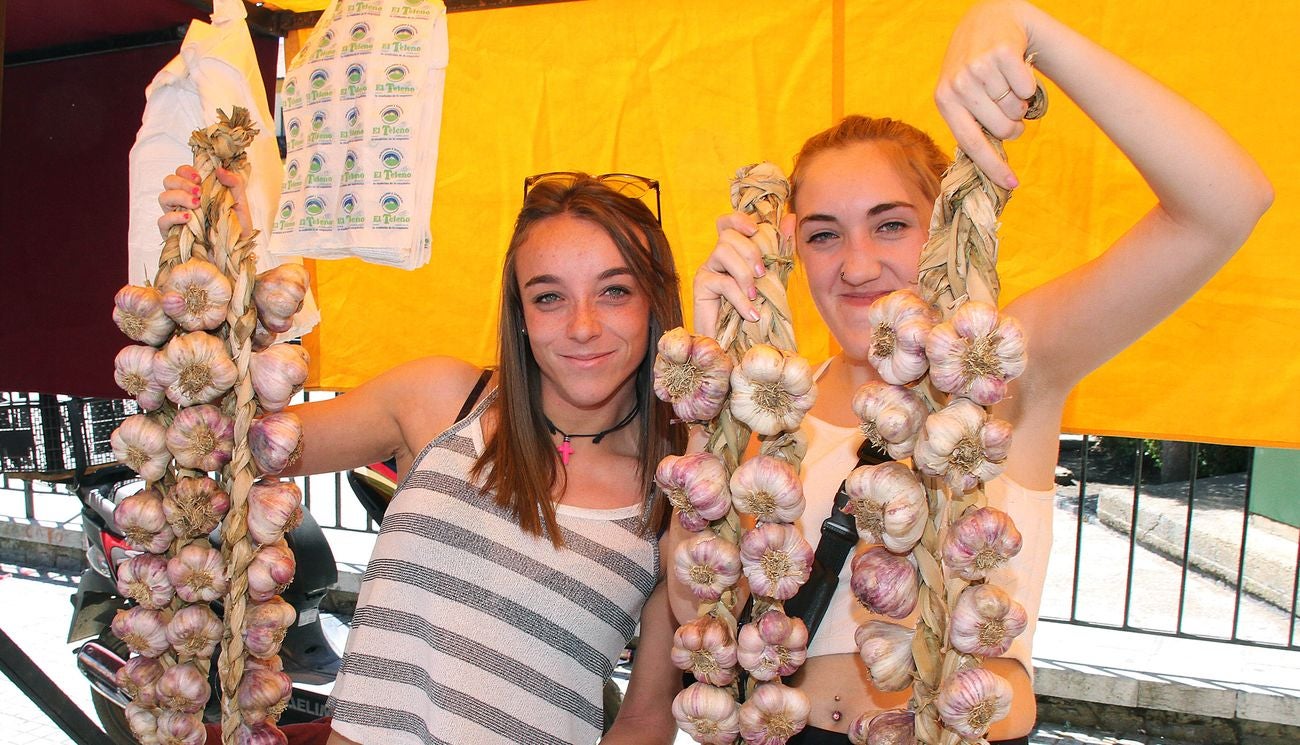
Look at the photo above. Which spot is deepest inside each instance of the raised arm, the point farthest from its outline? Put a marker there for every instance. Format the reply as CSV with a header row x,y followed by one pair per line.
x,y
1209,191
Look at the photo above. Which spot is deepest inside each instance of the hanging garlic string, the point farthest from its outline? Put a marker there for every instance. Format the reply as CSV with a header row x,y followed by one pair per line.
x,y
958,264
215,231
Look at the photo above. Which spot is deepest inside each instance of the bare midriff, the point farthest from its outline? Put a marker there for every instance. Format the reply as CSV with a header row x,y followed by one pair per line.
x,y
827,677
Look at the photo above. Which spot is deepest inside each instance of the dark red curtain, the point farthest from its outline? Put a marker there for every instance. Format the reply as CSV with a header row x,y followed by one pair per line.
x,y
66,129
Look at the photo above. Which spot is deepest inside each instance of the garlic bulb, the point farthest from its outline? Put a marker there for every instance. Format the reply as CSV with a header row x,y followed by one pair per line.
x,y
773,713
891,417
143,722
271,571
893,727
143,629
708,714
143,521
972,699
140,443
771,390
195,505
979,542
886,649
137,679
704,648
263,695
772,646
133,373
202,438
260,734
769,489
708,565
276,441
692,373
138,312
265,626
269,663
183,687
181,728
976,352
198,573
776,559
900,323
274,508
696,485
196,295
278,294
278,372
884,582
194,632
888,504
194,368
962,444
985,620
143,578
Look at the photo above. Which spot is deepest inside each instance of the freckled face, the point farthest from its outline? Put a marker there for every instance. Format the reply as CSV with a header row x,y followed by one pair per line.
x,y
588,319
861,227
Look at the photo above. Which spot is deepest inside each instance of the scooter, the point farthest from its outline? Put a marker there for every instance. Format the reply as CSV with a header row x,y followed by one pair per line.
x,y
310,656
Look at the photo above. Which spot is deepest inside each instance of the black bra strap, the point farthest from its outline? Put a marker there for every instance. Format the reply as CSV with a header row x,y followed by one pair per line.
x,y
474,393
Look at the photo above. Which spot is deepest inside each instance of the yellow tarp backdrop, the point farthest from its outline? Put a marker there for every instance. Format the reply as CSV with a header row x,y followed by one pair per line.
x,y
687,91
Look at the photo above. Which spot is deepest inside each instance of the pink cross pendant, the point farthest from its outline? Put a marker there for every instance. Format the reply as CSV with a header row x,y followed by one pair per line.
x,y
565,451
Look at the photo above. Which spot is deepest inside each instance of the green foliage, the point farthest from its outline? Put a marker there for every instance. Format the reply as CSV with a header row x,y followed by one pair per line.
x,y
1212,460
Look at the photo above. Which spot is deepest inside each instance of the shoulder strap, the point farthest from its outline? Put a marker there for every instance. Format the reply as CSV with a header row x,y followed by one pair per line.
x,y
474,393
839,537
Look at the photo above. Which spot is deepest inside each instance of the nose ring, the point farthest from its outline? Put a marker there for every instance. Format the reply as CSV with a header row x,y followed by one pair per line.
x,y
842,279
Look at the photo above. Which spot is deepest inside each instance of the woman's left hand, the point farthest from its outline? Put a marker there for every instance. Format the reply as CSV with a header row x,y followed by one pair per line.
x,y
985,81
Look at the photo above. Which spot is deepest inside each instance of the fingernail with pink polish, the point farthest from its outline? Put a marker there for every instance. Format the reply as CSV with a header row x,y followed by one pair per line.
x,y
753,293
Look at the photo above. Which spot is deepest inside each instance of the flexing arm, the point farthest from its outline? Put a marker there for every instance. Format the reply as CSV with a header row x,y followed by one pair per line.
x,y
1209,192
646,713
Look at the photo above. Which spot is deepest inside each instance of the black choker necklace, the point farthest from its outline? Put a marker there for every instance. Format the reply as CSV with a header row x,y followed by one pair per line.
x,y
566,449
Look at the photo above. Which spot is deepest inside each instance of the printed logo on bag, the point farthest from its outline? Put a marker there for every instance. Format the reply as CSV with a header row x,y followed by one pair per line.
x,y
364,8
396,82
320,132
315,215
294,131
405,42
359,41
352,129
355,85
292,178
391,216
393,169
392,125
351,215
284,219
319,89
412,9
352,172
292,97
318,176
326,48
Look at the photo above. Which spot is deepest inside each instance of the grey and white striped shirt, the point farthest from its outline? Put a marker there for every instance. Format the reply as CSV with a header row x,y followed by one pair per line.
x,y
468,630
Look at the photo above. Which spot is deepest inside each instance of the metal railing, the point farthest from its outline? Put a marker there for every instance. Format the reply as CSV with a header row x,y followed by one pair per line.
x,y
1185,559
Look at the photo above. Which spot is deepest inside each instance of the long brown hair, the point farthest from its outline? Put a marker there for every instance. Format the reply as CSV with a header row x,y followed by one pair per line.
x,y
519,461
913,152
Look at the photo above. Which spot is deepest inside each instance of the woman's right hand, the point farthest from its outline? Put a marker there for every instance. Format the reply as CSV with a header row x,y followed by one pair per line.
x,y
728,273
181,193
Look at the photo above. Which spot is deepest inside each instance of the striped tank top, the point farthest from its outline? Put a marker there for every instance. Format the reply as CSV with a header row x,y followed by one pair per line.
x,y
468,630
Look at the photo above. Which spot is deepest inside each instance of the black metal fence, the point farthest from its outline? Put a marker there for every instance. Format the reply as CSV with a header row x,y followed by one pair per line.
x,y
1180,556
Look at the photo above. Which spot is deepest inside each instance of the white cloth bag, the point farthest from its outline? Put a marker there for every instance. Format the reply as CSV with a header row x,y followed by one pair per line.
x,y
216,69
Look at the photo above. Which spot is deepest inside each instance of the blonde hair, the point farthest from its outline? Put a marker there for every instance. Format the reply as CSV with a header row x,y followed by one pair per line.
x,y
914,152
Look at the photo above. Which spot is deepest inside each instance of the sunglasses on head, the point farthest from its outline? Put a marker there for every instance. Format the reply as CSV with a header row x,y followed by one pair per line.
x,y
628,184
